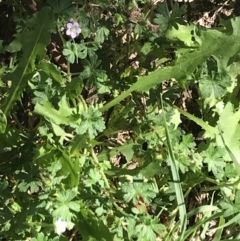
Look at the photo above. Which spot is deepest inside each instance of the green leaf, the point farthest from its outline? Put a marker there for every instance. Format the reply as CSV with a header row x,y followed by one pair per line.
x,y
103,83
59,5
147,48
15,45
33,48
34,186
118,119
175,119
215,86
127,150
70,169
183,150
45,109
69,52
145,233
229,208
91,70
210,131
213,157
165,19
146,170
64,115
93,229
64,205
163,16
52,71
40,237
230,133
101,34
152,169
148,228
3,122
92,123
177,11
138,189
82,51
182,33
59,132
140,28
94,177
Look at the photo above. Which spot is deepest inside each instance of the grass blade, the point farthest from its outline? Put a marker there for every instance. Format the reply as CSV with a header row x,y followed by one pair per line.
x,y
175,175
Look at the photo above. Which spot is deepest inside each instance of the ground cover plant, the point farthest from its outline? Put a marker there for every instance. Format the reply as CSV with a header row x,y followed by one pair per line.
x,y
119,120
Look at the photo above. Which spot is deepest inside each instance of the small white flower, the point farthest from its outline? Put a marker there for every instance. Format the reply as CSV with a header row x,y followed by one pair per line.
x,y
60,226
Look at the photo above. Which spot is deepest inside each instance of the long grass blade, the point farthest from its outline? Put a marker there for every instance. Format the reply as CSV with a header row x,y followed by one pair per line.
x,y
175,175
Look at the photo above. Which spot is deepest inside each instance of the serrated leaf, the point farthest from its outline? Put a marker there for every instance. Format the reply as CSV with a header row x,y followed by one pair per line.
x,y
52,71
45,109
145,233
229,208
161,21
210,131
101,33
214,86
166,19
213,157
140,28
126,150
33,48
34,186
64,115
138,189
92,123
177,11
152,169
182,33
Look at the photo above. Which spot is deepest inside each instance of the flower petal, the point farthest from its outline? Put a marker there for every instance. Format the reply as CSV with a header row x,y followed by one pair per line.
x,y
76,24
69,32
60,226
73,34
79,30
69,25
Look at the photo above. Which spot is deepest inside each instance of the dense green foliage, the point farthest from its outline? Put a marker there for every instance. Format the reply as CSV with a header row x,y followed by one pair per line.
x,y
130,131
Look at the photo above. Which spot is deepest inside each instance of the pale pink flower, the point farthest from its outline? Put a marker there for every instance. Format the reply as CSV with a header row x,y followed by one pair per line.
x,y
73,29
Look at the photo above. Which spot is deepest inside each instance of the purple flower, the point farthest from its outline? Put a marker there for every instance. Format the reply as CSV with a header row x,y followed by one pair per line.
x,y
73,29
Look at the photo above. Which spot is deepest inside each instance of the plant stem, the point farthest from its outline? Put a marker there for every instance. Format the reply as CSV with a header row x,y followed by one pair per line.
x,y
64,43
